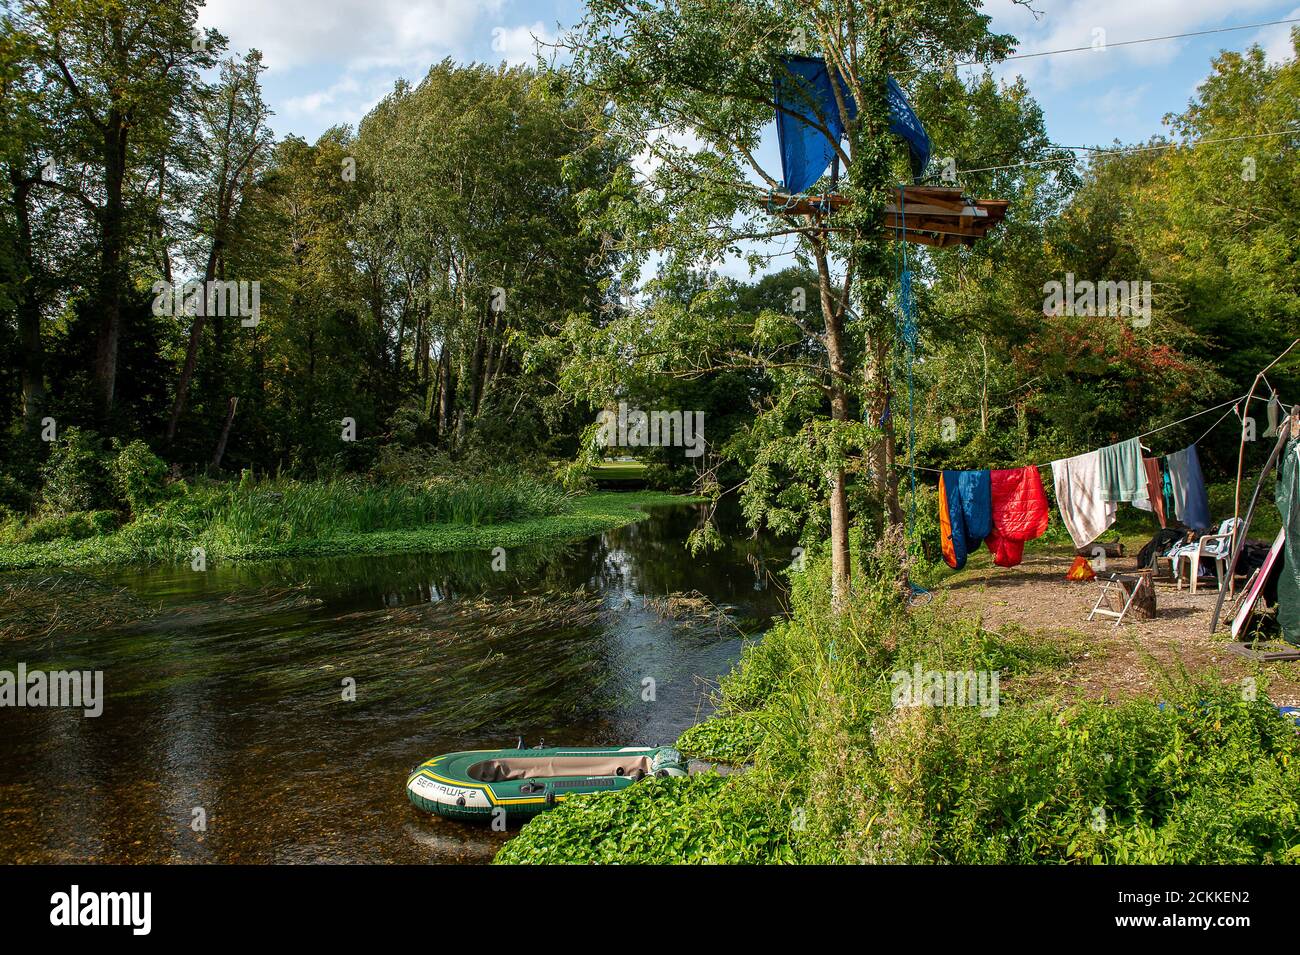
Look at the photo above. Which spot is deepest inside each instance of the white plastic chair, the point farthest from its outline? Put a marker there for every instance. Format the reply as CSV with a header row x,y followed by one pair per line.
x,y
1217,546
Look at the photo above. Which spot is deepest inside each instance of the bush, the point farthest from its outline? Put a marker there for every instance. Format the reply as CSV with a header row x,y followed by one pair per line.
x,y
724,739
77,525
75,476
705,818
139,476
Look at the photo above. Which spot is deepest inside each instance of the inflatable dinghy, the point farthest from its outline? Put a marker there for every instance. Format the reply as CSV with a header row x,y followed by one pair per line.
x,y
524,782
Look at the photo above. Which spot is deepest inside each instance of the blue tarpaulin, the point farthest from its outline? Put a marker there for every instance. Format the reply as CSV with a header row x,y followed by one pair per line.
x,y
806,102
903,122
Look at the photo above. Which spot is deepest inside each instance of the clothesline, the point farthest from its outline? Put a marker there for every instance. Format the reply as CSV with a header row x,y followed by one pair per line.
x,y
1163,427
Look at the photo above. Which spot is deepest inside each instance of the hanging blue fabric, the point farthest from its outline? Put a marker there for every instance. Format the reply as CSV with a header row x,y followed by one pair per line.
x,y
805,101
904,122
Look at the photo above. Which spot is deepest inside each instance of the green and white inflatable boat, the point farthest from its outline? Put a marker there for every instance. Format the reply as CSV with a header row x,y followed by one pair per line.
x,y
524,782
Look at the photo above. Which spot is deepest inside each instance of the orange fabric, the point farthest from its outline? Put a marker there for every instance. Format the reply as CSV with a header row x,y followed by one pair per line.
x,y
1080,570
1155,488
945,527
1020,513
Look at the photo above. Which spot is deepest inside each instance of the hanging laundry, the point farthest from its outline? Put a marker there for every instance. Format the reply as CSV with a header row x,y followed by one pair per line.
x,y
1191,504
1122,476
1274,416
1077,482
1155,501
1167,490
965,514
1019,511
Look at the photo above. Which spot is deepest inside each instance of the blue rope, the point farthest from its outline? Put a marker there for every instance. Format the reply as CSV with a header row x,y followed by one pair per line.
x,y
910,336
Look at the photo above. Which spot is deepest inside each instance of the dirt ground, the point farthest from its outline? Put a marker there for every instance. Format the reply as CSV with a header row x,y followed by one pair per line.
x,y
1109,662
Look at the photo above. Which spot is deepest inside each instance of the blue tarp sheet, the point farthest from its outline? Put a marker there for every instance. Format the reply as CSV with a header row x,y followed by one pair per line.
x,y
806,102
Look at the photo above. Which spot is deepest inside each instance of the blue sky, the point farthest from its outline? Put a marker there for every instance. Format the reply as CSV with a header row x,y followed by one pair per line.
x,y
329,61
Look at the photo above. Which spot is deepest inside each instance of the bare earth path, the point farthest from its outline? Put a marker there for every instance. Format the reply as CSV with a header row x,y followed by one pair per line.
x,y
1106,662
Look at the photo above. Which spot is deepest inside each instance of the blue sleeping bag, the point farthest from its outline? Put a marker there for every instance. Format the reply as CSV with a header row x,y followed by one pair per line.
x,y
966,513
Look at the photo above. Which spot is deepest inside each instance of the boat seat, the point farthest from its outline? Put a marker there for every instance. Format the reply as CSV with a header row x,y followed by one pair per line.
x,y
543,767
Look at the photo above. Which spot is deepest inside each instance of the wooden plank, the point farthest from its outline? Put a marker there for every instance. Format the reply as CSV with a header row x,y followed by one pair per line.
x,y
943,196
1265,651
940,217
951,225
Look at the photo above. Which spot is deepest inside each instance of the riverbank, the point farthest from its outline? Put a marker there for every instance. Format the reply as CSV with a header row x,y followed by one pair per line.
x,y
292,519
1194,770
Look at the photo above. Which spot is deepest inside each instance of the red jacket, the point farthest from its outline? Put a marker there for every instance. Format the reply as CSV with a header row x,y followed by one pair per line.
x,y
1019,513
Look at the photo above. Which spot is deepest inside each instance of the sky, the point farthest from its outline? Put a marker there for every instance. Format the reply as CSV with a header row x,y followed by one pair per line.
x,y
329,61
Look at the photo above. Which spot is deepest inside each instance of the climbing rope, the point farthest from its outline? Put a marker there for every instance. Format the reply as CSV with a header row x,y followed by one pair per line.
x,y
908,335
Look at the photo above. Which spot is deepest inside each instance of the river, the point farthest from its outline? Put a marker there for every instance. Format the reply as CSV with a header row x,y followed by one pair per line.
x,y
269,712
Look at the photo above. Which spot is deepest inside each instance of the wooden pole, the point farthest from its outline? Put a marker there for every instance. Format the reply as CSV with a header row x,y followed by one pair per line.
x,y
1241,452
1239,539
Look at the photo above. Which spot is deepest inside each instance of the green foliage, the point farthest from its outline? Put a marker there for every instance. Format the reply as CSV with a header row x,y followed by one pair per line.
x,y
75,475
71,526
843,775
726,738
702,819
139,476
252,520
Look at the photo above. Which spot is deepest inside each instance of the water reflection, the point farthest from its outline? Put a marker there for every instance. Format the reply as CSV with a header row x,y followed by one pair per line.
x,y
228,696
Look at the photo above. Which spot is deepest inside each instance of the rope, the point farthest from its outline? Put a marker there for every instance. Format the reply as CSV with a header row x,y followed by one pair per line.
x,y
1147,434
1216,424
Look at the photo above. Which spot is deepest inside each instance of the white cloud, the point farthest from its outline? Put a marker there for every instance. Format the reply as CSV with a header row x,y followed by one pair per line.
x,y
357,33
521,45
1073,25
1276,40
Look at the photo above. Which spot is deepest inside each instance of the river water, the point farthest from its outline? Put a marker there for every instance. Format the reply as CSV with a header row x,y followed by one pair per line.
x,y
269,712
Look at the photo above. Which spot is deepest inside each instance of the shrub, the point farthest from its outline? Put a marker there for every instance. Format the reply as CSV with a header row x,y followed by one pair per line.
x,y
75,475
139,475
77,525
724,738
705,818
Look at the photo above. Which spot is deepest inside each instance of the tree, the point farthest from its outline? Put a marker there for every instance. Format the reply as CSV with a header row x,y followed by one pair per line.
x,y
703,72
235,144
127,69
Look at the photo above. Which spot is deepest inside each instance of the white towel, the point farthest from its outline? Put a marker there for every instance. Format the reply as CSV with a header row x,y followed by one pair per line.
x,y
1077,482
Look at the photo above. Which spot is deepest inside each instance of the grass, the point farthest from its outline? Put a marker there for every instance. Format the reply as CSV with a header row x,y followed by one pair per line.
x,y
615,472
290,519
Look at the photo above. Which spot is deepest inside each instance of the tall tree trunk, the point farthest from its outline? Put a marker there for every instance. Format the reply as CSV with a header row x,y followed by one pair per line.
x,y
880,401
446,392
475,372
833,314
110,278
196,337
28,309
225,434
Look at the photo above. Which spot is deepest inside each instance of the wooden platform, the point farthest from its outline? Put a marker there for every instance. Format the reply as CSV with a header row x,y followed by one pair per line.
x,y
927,215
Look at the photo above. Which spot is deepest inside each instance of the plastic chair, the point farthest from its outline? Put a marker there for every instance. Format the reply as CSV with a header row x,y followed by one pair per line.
x,y
1217,546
